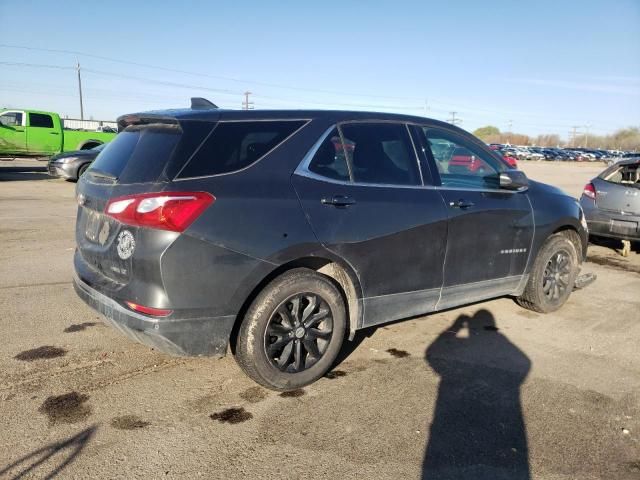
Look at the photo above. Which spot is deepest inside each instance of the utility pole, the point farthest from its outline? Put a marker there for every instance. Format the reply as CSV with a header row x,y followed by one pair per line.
x,y
509,132
573,134
246,104
586,138
80,91
453,120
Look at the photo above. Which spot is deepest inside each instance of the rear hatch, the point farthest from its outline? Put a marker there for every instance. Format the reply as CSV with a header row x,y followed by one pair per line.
x,y
144,157
618,189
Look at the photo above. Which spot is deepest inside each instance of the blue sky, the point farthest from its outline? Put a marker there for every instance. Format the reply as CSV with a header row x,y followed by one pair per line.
x,y
544,65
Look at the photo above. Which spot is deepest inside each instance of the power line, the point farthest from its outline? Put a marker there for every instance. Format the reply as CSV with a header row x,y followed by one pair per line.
x,y
466,108
199,74
417,109
36,65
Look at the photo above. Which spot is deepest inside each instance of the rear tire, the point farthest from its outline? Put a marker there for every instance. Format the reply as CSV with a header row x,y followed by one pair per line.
x,y
553,275
293,331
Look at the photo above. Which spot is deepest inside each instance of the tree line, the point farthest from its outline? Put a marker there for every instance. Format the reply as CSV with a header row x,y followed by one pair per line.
x,y
622,139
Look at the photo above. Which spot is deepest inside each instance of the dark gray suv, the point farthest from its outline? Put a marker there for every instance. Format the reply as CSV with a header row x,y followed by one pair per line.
x,y
281,233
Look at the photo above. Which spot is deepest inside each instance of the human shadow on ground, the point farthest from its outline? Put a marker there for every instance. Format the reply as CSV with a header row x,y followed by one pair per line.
x,y
49,460
478,430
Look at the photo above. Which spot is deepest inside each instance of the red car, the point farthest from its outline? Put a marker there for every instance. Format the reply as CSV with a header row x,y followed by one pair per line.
x,y
505,156
462,159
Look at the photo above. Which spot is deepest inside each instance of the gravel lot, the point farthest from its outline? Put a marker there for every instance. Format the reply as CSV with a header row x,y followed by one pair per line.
x,y
486,391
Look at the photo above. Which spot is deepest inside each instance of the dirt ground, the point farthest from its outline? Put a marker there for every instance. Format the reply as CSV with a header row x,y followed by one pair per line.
x,y
488,391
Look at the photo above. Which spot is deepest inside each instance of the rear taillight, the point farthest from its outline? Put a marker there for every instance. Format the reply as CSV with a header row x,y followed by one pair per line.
x,y
156,312
173,211
589,191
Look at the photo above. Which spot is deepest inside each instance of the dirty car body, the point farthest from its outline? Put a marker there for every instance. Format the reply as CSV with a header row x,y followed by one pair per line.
x,y
363,199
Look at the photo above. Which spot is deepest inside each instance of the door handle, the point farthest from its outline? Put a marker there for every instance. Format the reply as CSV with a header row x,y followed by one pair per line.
x,y
461,204
338,201
54,133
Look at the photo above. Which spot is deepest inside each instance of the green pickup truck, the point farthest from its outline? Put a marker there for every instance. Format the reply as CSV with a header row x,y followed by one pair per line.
x,y
35,133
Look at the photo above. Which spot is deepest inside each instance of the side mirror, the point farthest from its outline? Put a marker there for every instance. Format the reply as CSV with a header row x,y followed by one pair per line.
x,y
514,180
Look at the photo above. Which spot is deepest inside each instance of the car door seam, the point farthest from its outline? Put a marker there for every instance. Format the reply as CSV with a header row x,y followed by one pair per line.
x,y
446,248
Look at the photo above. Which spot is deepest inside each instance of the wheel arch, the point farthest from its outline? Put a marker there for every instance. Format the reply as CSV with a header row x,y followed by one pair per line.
x,y
89,144
571,232
342,276
81,168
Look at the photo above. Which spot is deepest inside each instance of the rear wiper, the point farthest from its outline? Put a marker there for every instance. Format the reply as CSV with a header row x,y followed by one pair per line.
x,y
102,174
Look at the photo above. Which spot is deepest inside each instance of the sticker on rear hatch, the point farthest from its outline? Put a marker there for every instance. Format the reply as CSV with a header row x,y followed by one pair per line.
x,y
126,244
104,233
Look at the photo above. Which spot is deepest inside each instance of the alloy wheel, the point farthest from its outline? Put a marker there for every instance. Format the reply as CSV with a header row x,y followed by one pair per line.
x,y
555,281
298,332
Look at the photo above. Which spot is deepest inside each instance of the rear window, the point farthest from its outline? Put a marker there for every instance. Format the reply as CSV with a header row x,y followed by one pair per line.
x,y
236,145
624,174
139,153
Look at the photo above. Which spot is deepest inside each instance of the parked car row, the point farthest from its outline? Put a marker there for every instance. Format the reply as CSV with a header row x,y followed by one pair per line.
x,y
562,154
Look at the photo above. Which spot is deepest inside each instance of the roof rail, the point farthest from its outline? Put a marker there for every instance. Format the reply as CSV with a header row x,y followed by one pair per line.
x,y
199,103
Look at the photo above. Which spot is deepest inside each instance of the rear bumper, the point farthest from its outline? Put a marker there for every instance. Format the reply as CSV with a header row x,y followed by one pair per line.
x,y
600,224
182,337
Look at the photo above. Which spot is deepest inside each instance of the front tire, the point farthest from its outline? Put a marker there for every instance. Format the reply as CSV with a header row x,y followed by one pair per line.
x,y
293,331
81,170
553,275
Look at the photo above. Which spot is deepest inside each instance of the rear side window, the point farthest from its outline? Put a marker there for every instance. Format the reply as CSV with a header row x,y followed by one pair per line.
x,y
40,120
381,153
330,160
236,145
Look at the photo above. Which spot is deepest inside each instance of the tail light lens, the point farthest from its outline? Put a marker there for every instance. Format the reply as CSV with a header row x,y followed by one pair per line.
x,y
589,191
156,312
173,211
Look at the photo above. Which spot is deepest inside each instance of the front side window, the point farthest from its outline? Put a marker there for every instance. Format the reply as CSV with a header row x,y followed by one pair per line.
x,y
11,119
330,159
236,145
381,153
40,120
461,163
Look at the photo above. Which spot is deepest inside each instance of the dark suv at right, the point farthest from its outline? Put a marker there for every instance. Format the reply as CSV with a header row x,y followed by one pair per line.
x,y
281,233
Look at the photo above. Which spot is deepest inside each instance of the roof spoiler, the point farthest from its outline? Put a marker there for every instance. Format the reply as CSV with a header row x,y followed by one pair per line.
x,y
199,103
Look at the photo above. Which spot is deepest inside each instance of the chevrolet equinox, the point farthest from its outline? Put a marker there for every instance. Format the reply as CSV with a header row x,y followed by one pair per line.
x,y
279,234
